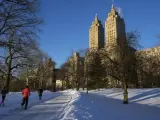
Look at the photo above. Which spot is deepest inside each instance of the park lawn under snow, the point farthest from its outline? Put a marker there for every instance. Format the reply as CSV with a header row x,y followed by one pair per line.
x,y
14,99
106,104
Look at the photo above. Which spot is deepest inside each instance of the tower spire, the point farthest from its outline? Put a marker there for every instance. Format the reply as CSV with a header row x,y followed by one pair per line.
x,y
96,32
96,17
112,6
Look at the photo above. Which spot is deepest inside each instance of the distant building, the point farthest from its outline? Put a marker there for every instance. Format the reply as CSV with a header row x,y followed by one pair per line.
x,y
96,35
76,70
114,29
115,35
46,74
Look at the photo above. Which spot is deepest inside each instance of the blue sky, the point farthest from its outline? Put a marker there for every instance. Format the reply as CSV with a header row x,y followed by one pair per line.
x,y
66,23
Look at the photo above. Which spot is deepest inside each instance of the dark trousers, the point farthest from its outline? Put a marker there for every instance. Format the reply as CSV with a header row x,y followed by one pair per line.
x,y
40,97
3,98
25,101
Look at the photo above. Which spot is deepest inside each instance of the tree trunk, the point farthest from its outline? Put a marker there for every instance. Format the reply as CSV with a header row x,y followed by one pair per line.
x,y
98,86
77,88
8,76
34,86
125,93
40,83
9,68
87,85
27,79
77,84
7,81
62,85
83,84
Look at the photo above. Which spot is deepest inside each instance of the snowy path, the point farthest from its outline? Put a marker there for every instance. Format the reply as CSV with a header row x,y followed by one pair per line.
x,y
52,109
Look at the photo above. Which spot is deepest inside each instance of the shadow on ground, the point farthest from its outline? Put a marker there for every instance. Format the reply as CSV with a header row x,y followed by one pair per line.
x,y
146,95
98,107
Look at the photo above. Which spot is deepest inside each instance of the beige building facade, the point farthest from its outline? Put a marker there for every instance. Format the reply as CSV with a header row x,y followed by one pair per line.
x,y
115,33
114,29
96,35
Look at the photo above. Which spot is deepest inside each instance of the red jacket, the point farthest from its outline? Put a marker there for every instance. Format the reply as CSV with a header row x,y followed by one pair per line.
x,y
26,92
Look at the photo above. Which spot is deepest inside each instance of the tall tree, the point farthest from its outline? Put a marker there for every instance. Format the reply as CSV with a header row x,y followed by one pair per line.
x,y
18,33
19,53
119,61
148,67
19,15
64,75
94,71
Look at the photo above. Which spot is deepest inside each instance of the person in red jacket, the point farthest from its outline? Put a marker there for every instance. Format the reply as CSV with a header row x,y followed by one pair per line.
x,y
26,94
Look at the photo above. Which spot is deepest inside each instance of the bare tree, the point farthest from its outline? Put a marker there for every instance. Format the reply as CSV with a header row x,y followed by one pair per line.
x,y
148,67
19,15
18,28
73,71
119,61
64,74
46,75
18,54
29,71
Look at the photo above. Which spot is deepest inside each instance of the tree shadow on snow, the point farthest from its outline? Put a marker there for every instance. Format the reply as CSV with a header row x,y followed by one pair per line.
x,y
146,95
98,107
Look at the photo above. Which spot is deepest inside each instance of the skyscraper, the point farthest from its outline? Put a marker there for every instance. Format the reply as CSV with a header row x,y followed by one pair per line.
x,y
96,35
114,29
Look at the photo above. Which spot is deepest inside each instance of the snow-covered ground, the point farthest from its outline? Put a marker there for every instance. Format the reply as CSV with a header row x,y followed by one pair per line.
x,y
105,104
13,101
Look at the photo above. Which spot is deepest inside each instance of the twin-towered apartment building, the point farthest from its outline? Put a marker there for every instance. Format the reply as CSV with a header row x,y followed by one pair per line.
x,y
114,31
115,34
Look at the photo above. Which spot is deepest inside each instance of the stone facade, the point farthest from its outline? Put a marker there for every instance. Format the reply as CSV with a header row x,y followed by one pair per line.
x,y
96,35
114,29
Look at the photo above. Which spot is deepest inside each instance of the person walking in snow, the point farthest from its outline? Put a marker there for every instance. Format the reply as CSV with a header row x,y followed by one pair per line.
x,y
26,94
40,92
4,93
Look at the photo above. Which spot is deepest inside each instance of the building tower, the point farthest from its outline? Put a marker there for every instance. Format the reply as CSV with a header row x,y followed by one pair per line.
x,y
96,35
114,29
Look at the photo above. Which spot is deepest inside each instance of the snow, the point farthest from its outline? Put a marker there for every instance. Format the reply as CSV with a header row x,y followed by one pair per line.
x,y
13,101
106,104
